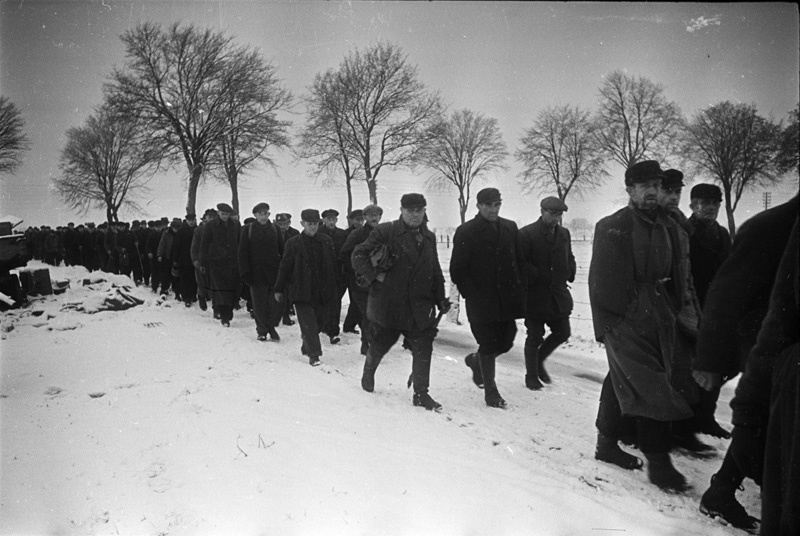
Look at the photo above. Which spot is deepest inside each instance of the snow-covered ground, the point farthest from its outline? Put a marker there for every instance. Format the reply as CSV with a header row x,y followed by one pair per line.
x,y
158,420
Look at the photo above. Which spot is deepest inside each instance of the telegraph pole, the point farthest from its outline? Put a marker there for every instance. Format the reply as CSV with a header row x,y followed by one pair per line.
x,y
767,200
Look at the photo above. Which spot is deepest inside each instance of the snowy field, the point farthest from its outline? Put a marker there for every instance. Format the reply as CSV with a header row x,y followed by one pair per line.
x,y
157,420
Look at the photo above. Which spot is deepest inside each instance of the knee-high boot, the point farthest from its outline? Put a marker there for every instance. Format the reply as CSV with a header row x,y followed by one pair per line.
x,y
532,369
654,441
491,394
371,363
421,374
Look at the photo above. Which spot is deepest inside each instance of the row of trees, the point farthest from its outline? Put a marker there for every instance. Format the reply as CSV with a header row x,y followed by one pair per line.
x,y
193,98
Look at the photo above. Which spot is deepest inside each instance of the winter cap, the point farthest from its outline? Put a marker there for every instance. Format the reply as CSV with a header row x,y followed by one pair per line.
x,y
488,195
372,209
224,207
261,207
310,215
249,220
643,171
190,216
706,191
413,201
176,222
553,204
329,213
357,213
283,217
672,179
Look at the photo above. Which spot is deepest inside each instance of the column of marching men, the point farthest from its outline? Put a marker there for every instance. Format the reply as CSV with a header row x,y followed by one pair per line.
x,y
676,303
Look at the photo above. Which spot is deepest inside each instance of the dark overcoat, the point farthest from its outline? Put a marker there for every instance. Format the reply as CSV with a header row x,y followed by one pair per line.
x,y
738,298
219,253
709,246
486,267
768,394
182,246
550,265
414,285
259,254
355,237
295,272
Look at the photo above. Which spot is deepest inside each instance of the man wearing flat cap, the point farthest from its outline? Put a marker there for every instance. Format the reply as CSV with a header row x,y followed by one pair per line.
x,y
400,264
219,258
359,294
329,219
283,222
636,291
355,220
259,258
550,266
485,266
307,276
182,259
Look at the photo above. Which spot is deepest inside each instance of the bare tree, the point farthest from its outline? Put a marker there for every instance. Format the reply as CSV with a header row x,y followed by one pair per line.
x,y
635,120
788,158
734,145
105,164
464,147
560,152
387,110
182,83
323,139
253,126
13,141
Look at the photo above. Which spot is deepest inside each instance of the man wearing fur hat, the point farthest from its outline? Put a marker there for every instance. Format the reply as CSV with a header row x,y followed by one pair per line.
x,y
486,267
400,264
636,292
550,265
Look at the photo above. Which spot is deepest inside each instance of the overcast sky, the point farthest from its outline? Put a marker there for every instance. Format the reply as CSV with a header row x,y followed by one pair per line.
x,y
507,60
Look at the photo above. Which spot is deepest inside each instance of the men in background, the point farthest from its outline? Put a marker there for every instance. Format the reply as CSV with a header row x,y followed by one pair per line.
x,y
329,218
197,240
735,307
284,223
486,267
636,290
547,253
306,273
259,259
169,278
182,259
358,293
151,249
709,246
219,259
400,263
355,221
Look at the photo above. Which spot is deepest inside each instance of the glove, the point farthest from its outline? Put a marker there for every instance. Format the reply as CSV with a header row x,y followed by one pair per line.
x,y
247,277
747,450
445,305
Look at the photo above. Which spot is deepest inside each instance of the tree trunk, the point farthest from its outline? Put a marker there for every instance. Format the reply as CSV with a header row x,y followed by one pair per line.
x,y
348,181
731,221
191,195
233,179
372,186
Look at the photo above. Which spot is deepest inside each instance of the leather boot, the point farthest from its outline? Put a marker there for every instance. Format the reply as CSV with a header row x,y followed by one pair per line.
x,y
368,376
607,450
663,474
491,394
719,500
532,369
421,375
472,362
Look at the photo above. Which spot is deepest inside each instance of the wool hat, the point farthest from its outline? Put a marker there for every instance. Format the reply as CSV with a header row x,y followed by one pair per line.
x,y
488,195
357,213
310,215
553,203
225,207
672,179
372,209
190,216
175,223
643,171
209,212
282,217
261,207
413,201
329,213
706,191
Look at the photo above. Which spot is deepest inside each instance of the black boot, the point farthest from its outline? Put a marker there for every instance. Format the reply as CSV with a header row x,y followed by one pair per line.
x,y
491,394
368,376
472,362
543,375
532,373
421,374
607,450
663,474
720,500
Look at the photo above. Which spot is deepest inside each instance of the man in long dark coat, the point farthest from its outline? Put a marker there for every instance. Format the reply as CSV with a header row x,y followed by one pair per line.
x,y
219,257
735,307
182,259
766,408
359,294
547,252
203,293
400,263
259,259
487,267
636,290
329,218
307,275
283,222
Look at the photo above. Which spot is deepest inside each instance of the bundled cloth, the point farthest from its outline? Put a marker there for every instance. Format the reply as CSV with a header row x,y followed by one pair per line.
x,y
114,299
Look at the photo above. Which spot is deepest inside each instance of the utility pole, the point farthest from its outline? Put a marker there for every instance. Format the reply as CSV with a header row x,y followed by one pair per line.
x,y
767,200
